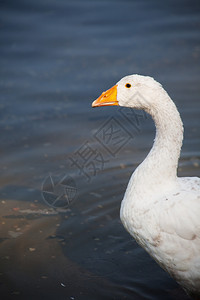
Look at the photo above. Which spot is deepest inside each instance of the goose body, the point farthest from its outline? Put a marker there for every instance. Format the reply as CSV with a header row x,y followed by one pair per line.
x,y
160,210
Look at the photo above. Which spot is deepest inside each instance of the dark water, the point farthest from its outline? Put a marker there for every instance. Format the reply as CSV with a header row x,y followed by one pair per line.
x,y
56,58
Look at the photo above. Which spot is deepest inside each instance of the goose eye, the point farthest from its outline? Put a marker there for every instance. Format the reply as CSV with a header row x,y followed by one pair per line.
x,y
128,85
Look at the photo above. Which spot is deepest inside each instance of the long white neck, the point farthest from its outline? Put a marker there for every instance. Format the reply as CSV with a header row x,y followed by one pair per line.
x,y
160,166
163,157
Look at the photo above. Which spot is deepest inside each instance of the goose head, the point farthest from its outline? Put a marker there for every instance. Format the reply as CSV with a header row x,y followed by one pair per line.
x,y
135,91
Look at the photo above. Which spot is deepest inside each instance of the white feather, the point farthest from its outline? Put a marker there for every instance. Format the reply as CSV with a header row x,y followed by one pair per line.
x,y
160,210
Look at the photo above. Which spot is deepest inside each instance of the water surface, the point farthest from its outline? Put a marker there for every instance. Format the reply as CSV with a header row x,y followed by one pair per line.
x,y
56,58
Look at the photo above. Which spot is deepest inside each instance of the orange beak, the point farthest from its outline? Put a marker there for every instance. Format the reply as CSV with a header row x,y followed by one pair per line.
x,y
107,98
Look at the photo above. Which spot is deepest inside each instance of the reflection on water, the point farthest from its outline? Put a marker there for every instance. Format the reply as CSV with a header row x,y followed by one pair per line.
x,y
63,176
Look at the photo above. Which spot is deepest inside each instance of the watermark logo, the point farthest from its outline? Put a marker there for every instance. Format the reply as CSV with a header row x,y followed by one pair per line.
x,y
90,158
59,191
113,136
133,117
87,160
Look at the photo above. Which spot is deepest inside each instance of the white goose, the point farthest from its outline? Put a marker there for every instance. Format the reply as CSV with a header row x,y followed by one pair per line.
x,y
160,210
